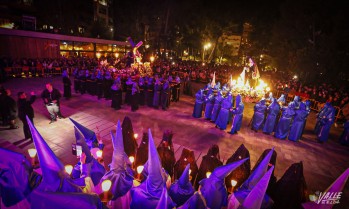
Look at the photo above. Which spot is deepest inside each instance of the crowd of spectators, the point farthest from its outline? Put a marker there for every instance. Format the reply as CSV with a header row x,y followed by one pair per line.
x,y
198,72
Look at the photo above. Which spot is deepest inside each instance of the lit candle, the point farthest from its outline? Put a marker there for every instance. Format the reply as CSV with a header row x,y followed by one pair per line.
x,y
312,198
32,153
106,184
99,153
233,183
208,174
68,169
132,159
140,169
135,136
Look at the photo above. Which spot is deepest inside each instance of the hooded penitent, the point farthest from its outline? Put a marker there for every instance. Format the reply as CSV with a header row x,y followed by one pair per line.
x,y
56,187
255,198
130,143
119,174
290,191
181,190
213,188
257,173
187,156
96,169
209,162
142,151
167,156
90,136
241,173
259,114
148,193
54,177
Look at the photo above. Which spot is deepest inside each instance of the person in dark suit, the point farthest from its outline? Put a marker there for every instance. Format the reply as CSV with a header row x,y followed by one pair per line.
x,y
25,109
67,85
51,98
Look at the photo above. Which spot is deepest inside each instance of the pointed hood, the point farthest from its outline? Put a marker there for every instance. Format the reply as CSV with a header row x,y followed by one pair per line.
x,y
258,173
255,198
213,83
181,190
130,143
81,141
14,177
142,151
223,171
241,173
118,151
336,186
54,177
50,165
290,189
184,179
148,193
90,136
121,179
155,179
213,188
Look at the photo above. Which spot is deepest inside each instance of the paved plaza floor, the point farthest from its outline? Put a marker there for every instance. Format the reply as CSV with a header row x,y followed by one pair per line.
x,y
323,163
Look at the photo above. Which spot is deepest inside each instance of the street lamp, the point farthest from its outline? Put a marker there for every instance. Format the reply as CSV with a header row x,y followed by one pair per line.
x,y
206,46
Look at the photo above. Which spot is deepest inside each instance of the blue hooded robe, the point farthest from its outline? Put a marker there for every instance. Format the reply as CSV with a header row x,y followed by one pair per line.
x,y
147,195
285,121
320,115
181,190
325,124
273,111
237,115
197,113
157,91
298,123
259,114
209,101
223,116
344,139
217,106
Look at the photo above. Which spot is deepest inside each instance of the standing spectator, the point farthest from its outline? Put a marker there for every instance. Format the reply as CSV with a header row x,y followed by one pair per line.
x,y
9,110
116,94
25,109
134,97
51,98
67,85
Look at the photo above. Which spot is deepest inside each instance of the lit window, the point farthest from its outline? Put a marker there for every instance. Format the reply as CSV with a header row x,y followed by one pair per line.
x,y
44,27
